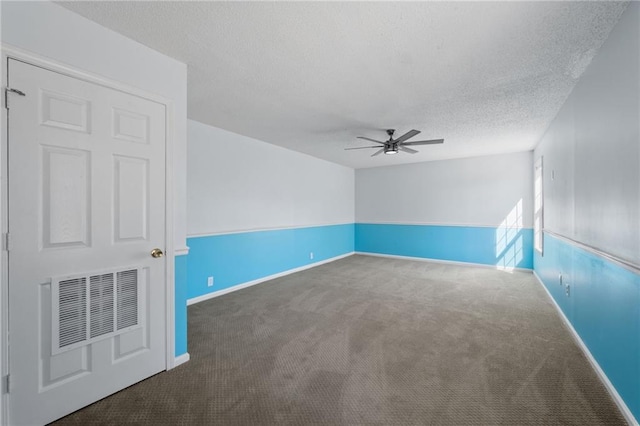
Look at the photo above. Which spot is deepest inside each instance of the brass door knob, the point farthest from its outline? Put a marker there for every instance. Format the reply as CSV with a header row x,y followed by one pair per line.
x,y
156,252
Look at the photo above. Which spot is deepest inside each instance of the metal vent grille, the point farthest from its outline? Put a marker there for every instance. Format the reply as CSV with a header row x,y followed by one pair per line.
x,y
101,304
72,302
93,306
127,298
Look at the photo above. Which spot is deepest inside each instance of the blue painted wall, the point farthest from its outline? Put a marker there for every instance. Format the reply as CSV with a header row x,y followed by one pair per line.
x,y
234,259
483,245
603,307
180,305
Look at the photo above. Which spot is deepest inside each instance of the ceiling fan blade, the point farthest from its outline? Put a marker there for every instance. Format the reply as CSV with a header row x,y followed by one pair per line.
x,y
371,140
405,149
378,152
361,147
429,142
409,134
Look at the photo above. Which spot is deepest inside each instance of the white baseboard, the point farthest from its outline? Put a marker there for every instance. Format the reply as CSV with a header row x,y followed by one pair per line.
x,y
601,374
181,359
263,279
449,262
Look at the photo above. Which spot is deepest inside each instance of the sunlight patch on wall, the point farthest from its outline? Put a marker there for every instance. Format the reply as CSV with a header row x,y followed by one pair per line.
x,y
509,240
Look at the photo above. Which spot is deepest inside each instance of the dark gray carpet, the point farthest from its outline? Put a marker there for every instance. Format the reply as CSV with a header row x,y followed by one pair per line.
x,y
368,340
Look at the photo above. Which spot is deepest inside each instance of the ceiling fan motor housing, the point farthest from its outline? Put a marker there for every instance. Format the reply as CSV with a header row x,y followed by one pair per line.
x,y
391,148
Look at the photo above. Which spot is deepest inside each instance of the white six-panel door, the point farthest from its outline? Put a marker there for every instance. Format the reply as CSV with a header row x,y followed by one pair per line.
x,y
86,208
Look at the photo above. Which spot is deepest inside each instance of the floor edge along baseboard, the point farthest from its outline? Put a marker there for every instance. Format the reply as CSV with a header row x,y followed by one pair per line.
x,y
237,287
447,262
622,406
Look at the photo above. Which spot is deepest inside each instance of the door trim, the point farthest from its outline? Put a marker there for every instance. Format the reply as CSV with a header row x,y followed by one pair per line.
x,y
11,52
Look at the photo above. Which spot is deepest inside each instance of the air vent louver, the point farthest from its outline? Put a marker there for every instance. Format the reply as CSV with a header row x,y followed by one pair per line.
x,y
101,302
127,298
94,306
72,299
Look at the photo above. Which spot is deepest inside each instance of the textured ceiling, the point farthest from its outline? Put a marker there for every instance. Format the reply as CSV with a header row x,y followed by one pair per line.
x,y
311,76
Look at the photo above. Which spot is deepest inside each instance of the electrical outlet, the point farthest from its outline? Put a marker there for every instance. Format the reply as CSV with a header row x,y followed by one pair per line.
x,y
210,282
567,289
311,255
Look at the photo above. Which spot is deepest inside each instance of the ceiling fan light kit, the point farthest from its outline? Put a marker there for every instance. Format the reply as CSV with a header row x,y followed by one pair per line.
x,y
393,146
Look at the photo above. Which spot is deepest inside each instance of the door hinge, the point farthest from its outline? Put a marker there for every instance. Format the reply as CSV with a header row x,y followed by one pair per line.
x,y
6,241
6,95
5,384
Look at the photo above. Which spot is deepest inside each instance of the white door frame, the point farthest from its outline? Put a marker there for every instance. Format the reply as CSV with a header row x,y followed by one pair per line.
x,y
51,65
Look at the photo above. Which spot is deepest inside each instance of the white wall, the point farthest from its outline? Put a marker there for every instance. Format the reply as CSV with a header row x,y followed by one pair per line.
x,y
592,150
479,191
51,31
236,183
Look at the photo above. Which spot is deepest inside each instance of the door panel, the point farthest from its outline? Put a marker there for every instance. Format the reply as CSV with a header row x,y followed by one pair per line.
x,y
131,198
86,207
65,197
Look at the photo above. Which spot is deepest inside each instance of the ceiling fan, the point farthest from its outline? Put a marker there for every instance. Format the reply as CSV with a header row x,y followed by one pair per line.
x,y
392,146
